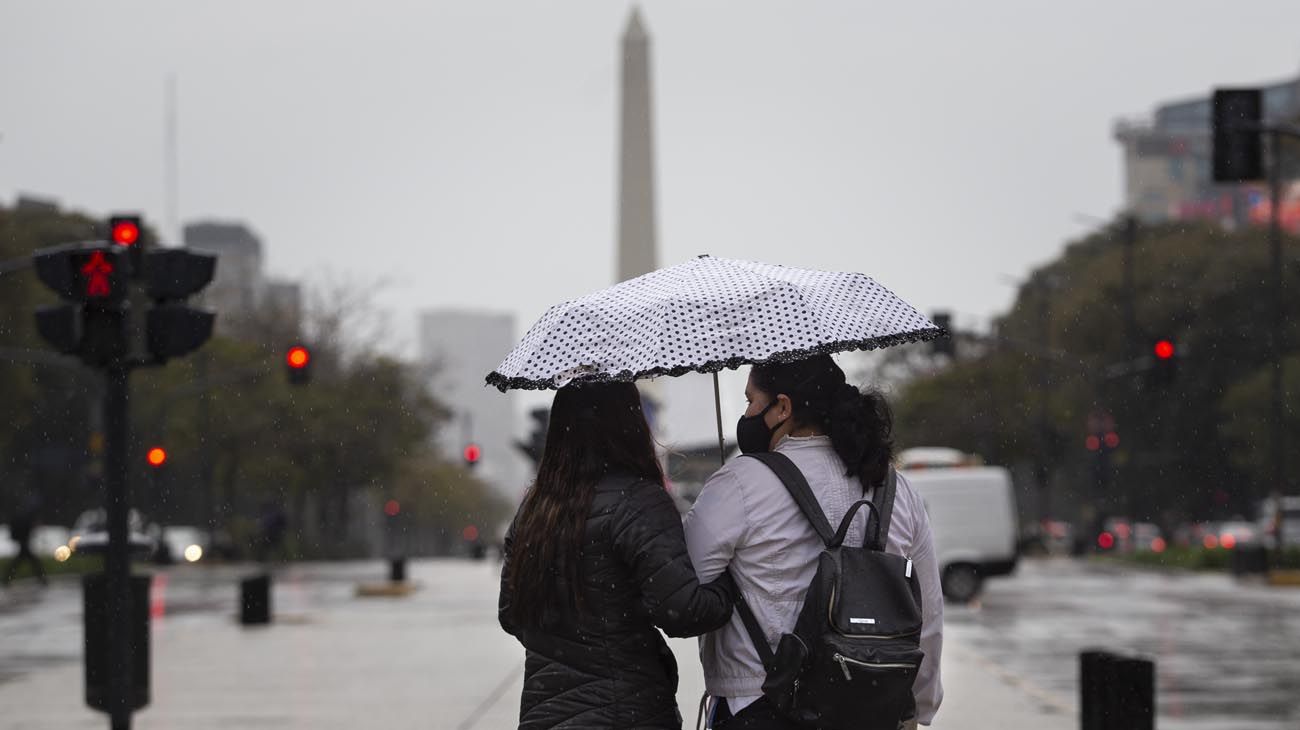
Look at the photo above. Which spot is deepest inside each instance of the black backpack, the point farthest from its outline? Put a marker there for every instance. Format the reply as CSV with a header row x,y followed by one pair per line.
x,y
855,650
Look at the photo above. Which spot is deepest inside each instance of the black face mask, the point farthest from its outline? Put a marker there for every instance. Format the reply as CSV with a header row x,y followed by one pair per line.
x,y
753,435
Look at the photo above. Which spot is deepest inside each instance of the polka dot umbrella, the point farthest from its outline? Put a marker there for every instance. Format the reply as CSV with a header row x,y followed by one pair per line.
x,y
705,315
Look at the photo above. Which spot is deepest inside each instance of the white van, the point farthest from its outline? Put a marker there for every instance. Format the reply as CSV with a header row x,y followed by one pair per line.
x,y
973,515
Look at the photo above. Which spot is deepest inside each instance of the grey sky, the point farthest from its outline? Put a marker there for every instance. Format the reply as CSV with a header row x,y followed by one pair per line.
x,y
465,151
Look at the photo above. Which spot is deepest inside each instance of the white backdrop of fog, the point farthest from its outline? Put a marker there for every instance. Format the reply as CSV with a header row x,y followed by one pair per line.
x,y
465,152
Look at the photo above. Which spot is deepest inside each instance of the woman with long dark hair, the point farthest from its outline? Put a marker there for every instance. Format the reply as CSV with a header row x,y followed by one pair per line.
x,y
746,523
594,561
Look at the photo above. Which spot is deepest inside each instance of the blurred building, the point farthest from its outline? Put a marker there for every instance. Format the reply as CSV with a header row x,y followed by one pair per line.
x,y
459,349
245,299
1167,163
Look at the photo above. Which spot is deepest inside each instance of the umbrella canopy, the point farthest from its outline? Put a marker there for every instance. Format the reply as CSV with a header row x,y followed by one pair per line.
x,y
705,315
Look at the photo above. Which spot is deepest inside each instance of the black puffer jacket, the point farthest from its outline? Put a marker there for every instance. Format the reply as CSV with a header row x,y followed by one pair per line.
x,y
607,666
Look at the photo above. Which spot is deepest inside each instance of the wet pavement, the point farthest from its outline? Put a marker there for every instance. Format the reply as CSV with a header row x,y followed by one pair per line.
x,y
1228,655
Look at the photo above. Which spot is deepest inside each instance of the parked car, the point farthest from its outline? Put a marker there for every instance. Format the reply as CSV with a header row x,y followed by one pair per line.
x,y
972,512
1290,521
8,548
90,533
183,543
1238,532
47,539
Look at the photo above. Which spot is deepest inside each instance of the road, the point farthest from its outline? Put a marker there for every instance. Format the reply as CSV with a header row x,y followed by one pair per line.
x,y
1228,655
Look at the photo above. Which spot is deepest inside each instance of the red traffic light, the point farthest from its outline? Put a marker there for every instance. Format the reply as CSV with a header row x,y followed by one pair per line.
x,y
1164,349
157,456
473,453
125,231
392,507
298,357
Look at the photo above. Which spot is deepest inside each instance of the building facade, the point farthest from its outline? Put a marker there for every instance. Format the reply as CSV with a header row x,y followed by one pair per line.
x,y
459,348
1167,158
247,302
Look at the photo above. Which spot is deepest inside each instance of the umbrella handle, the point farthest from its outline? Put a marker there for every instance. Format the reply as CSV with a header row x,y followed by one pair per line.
x,y
717,406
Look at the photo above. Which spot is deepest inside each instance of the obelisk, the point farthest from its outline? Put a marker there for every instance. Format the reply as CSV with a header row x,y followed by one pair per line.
x,y
636,194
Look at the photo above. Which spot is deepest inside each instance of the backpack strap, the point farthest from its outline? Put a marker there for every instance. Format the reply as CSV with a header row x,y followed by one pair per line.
x,y
797,486
756,635
885,509
848,520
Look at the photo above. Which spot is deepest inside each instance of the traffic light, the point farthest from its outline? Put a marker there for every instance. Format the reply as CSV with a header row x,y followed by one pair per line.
x,y
535,444
944,345
297,362
1238,151
1164,368
91,279
125,231
472,454
171,276
157,456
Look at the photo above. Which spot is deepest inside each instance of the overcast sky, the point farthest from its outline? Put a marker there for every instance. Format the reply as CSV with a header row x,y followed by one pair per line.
x,y
465,152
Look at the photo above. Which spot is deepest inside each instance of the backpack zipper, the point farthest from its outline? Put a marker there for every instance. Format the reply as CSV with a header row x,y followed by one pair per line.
x,y
830,619
844,663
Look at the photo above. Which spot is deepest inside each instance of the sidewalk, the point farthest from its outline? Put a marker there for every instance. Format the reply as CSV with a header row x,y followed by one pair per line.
x,y
434,659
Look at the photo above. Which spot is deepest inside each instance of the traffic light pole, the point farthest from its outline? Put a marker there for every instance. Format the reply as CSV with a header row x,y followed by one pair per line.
x,y
117,559
1276,345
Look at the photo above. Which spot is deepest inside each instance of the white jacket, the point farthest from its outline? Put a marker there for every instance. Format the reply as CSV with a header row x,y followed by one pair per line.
x,y
746,520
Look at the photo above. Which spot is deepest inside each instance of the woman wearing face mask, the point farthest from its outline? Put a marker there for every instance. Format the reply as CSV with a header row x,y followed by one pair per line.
x,y
746,522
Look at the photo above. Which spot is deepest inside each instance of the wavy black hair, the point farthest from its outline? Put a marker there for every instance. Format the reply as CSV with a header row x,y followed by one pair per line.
x,y
859,422
595,429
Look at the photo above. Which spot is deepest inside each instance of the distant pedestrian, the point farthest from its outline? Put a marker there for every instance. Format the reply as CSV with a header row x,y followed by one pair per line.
x,y
595,560
272,527
21,529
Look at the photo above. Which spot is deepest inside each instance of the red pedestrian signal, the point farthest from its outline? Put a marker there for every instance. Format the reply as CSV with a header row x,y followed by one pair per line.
x,y
96,276
156,457
472,454
124,230
1164,349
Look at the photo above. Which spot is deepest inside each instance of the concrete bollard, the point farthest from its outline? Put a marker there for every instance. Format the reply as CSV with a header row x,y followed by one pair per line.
x,y
1116,692
255,600
397,570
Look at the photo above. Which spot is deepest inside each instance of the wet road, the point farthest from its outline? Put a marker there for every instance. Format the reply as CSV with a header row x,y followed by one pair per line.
x,y
1227,653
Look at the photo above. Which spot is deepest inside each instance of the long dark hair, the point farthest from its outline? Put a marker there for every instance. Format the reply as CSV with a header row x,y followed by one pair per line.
x,y
860,423
595,429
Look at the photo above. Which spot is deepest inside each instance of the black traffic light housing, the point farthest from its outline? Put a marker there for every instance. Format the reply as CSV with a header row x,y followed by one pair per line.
x,y
126,232
535,444
1237,154
297,363
171,276
92,280
1164,363
944,345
